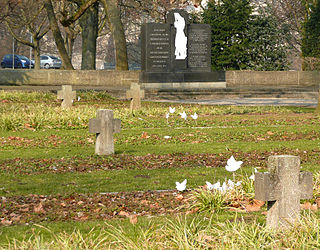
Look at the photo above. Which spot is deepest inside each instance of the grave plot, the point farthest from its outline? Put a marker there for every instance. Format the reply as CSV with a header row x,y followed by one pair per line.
x,y
51,176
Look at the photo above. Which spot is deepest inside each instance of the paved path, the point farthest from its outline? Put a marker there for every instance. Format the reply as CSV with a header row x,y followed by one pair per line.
x,y
225,101
252,102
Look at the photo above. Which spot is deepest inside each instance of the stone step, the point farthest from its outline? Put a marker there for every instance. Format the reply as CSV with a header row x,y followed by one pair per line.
x,y
172,86
171,94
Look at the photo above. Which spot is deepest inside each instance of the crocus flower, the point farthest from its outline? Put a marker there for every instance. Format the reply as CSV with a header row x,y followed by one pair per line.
x,y
194,116
233,165
183,115
181,186
172,110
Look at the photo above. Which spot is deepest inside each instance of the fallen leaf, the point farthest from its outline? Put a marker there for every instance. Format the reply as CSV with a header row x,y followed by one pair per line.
x,y
133,219
314,207
124,213
24,209
258,202
97,210
270,133
155,205
306,205
260,139
237,210
252,208
144,202
193,211
39,209
6,222
318,202
179,197
82,218
16,218
145,135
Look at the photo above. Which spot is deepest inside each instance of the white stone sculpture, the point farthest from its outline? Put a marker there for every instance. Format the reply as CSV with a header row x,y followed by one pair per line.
x,y
181,39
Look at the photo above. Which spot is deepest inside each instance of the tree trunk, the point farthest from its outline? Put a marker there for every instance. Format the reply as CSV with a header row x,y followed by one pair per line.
x,y
89,25
66,62
113,13
36,53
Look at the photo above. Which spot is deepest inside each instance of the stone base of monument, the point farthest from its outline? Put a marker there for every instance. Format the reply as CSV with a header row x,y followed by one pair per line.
x,y
184,85
174,77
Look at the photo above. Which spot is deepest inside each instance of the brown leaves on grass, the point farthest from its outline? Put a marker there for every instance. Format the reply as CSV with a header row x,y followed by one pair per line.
x,y
255,206
39,208
145,135
150,161
80,207
308,205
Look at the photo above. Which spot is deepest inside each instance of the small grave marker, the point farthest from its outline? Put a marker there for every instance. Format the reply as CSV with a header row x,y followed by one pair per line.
x,y
67,95
135,94
104,126
283,187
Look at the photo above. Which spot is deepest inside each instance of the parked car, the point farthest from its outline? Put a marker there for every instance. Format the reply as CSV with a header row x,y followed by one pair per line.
x,y
48,62
19,62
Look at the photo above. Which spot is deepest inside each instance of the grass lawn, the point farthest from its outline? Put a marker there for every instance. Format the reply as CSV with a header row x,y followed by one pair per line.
x,y
52,183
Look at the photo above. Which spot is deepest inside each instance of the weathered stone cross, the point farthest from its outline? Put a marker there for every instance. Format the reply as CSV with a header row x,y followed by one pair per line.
x,y
67,95
104,126
283,187
135,94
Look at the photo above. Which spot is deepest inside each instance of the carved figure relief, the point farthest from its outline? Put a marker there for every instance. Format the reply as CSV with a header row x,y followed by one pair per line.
x,y
180,39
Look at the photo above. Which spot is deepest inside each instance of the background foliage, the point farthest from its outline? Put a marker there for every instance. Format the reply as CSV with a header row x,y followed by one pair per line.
x,y
243,40
310,40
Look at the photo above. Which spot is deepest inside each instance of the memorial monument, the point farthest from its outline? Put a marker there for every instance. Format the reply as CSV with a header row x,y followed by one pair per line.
x,y
177,51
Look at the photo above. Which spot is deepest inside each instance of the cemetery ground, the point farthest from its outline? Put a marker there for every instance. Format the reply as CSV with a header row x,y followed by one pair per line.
x,y
56,193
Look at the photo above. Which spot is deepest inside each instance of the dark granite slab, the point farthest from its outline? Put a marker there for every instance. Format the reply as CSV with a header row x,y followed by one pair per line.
x,y
149,77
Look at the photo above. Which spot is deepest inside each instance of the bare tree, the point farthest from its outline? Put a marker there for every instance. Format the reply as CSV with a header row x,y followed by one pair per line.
x,y
72,30
27,15
66,60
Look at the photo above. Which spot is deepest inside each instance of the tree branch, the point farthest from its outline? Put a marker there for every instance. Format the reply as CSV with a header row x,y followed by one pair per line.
x,y
78,14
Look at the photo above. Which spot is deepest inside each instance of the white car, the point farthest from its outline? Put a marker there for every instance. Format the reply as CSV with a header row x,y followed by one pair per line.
x,y
49,62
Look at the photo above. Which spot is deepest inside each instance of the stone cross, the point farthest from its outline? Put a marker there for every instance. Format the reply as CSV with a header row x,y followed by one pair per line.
x,y
283,187
67,95
135,94
104,126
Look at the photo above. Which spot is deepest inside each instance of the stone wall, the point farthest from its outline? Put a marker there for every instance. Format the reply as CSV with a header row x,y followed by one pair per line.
x,y
272,78
123,79
103,78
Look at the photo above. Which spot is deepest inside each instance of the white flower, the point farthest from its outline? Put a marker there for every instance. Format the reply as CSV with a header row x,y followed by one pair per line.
x,y
167,115
78,98
217,185
233,165
172,110
231,183
183,115
194,116
209,185
167,137
224,187
238,183
213,186
181,186
252,176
